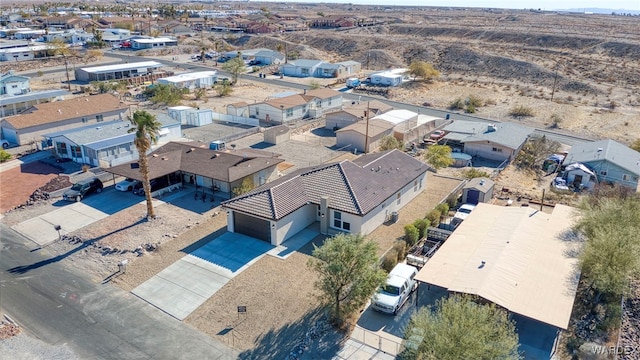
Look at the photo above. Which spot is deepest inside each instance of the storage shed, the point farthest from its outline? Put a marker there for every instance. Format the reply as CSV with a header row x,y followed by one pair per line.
x,y
478,190
190,116
277,134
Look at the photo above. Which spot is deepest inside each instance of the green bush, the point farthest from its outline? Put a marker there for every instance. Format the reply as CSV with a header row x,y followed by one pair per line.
x,y
474,173
421,225
457,104
470,109
389,260
411,234
434,217
443,208
400,247
4,156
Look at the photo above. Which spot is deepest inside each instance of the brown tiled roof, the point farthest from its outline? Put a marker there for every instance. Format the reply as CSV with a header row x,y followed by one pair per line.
x,y
323,93
227,166
287,102
355,187
52,112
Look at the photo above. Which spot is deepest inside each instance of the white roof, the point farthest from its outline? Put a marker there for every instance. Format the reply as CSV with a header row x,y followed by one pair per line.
x,y
397,116
189,76
138,65
513,257
154,40
179,107
27,48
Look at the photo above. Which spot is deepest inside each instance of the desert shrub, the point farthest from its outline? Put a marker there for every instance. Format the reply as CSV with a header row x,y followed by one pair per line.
x,y
457,104
400,247
470,109
389,260
555,121
443,208
421,225
490,102
474,101
4,156
521,111
473,173
411,234
434,217
40,73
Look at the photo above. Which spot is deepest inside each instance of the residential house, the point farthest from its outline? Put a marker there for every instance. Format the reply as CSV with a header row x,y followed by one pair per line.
x,y
191,81
286,109
108,144
349,196
499,141
12,84
392,77
333,21
611,161
349,115
292,25
517,258
213,170
61,115
319,68
117,71
269,57
359,138
15,104
25,53
153,43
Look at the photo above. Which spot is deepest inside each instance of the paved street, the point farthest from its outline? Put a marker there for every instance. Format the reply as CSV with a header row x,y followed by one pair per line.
x,y
56,304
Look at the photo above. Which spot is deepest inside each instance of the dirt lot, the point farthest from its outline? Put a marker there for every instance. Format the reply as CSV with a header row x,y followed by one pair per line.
x,y
19,183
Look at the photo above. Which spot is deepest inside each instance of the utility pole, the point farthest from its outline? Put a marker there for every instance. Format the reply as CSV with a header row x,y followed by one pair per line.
x,y
366,131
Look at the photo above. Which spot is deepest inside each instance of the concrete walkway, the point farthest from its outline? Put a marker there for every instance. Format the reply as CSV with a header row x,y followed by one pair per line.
x,y
182,287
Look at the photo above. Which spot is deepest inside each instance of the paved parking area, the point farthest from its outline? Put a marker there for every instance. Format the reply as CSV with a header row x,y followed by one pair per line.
x,y
74,216
186,284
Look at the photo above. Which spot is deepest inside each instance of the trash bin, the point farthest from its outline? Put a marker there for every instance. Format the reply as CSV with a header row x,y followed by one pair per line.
x,y
394,217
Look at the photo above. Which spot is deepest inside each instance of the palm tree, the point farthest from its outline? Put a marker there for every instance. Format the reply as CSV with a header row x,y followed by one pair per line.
x,y
146,128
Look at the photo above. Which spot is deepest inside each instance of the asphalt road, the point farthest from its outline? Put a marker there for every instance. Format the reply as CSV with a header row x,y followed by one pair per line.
x,y
563,138
58,304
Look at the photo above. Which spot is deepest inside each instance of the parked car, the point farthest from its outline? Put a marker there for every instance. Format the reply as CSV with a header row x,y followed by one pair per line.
x,y
83,188
464,211
395,292
126,184
156,184
437,135
5,143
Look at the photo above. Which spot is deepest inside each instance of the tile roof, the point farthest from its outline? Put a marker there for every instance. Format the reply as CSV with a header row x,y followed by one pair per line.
x,y
356,187
52,112
189,157
609,150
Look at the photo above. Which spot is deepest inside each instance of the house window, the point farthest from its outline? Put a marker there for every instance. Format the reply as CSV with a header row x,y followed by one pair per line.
x,y
304,71
76,152
61,148
257,111
14,86
338,223
415,185
603,172
399,198
625,177
84,120
329,101
99,118
289,112
496,149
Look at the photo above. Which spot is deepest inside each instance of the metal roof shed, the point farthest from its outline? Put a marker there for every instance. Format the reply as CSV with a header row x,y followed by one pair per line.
x,y
516,257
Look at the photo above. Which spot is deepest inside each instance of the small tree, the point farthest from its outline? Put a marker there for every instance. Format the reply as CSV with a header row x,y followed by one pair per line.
x,y
421,225
533,153
235,66
424,70
4,156
473,173
348,273
457,328
433,217
439,156
411,234
313,85
223,88
389,142
246,186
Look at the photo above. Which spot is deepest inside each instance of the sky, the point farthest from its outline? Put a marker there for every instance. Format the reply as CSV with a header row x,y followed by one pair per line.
x,y
507,4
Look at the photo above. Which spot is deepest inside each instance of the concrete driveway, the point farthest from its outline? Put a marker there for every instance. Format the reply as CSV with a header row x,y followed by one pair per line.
x,y
186,284
73,216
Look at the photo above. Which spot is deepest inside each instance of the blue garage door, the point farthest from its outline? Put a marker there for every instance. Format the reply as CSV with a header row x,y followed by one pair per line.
x,y
473,196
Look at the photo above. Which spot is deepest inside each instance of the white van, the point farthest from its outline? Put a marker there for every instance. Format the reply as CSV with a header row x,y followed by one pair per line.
x,y
395,292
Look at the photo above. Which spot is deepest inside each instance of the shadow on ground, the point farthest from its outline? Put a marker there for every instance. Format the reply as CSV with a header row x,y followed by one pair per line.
x,y
261,145
23,269
39,168
278,344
